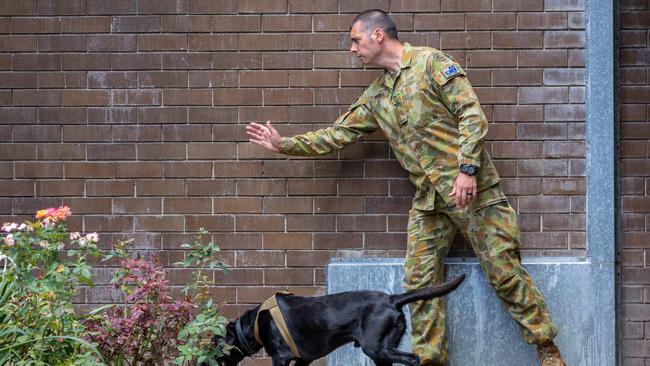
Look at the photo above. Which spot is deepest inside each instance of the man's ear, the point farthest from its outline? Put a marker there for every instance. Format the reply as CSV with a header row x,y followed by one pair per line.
x,y
378,34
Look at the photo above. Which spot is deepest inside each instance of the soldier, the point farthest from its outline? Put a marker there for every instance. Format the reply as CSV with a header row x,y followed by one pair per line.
x,y
432,119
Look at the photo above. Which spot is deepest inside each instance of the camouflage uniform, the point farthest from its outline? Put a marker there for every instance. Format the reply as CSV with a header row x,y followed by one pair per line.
x,y
433,123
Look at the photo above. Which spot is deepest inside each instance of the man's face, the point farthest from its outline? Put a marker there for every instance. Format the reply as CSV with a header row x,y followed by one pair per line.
x,y
364,44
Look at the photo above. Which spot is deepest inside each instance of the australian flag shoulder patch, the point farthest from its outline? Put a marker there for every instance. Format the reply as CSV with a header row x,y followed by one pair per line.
x,y
450,71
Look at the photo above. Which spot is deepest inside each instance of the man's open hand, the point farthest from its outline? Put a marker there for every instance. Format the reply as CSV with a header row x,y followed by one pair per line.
x,y
264,135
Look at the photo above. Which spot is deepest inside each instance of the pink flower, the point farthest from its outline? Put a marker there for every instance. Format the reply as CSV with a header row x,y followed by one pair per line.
x,y
9,240
43,244
74,236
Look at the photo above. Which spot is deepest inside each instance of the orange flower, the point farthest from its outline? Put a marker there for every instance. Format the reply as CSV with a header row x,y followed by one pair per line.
x,y
54,214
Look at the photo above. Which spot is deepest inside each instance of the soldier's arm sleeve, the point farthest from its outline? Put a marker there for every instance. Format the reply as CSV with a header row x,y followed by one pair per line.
x,y
347,129
457,94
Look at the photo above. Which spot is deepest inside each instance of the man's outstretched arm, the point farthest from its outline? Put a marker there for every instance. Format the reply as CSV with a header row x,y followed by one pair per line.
x,y
348,128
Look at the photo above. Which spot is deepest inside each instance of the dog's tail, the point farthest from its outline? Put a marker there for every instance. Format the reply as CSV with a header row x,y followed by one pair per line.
x,y
427,293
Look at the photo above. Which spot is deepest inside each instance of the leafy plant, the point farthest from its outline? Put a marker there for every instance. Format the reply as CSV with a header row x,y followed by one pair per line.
x,y
152,328
38,323
198,333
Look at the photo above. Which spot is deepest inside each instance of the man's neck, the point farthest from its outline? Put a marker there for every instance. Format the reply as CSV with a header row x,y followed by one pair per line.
x,y
392,60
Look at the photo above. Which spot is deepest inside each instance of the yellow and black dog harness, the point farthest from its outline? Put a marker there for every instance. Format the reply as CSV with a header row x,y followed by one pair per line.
x,y
272,306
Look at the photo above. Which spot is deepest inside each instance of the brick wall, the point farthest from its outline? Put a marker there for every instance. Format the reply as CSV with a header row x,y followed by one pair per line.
x,y
634,155
132,112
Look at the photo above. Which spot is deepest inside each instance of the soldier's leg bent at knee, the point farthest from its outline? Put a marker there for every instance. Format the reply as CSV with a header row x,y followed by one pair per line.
x,y
494,234
429,237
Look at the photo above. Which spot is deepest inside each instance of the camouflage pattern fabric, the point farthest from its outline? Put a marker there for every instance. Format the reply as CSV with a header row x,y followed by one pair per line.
x,y
430,116
494,236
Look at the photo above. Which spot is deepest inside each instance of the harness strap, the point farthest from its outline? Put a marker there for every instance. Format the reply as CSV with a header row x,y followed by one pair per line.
x,y
272,306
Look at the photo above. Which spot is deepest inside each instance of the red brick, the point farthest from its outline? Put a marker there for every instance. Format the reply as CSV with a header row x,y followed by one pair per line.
x,y
23,62
86,62
35,25
397,6
494,21
333,22
262,6
542,131
284,241
212,115
162,115
112,43
110,188
312,187
211,187
187,97
162,42
542,58
162,6
231,205
158,151
211,151
288,60
184,205
212,7
360,223
138,170
162,79
564,39
286,23
112,7
18,43
110,80
16,80
160,187
313,6
311,223
36,133
559,5
522,186
86,98
571,112
517,39
235,61
142,61
237,169
62,7
543,95
292,96
261,187
61,152
187,169
236,23
192,60
186,24
210,223
387,205
237,97
212,42
517,149
465,40
259,223
465,5
316,41
15,188
494,58
59,188
84,170
36,98
86,134
564,149
338,241
439,22
158,223
289,276
263,79
259,258
12,7
526,5
288,205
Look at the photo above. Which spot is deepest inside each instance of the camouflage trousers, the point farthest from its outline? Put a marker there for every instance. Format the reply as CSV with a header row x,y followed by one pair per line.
x,y
494,236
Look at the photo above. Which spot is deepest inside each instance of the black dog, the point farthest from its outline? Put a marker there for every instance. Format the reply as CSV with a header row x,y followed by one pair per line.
x,y
372,320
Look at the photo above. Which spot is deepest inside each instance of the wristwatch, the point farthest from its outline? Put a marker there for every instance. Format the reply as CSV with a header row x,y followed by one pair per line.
x,y
468,169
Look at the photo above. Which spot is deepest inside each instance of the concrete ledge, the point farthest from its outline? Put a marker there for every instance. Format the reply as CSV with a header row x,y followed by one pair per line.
x,y
480,330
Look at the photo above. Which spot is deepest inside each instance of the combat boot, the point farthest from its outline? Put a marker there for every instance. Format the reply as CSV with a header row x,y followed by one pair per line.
x,y
549,354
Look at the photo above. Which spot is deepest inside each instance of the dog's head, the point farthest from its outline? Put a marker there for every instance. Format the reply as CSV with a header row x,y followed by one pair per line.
x,y
237,344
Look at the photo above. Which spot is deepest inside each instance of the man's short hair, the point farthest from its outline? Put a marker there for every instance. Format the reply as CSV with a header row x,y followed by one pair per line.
x,y
377,18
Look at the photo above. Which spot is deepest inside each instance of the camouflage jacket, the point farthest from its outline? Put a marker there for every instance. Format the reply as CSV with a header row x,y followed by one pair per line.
x,y
431,118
